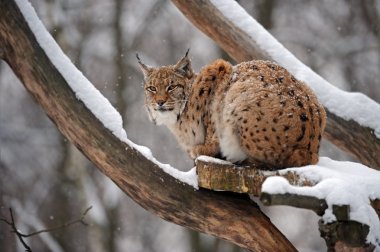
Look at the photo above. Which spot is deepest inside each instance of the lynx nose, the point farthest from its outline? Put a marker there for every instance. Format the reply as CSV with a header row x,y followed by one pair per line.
x,y
160,102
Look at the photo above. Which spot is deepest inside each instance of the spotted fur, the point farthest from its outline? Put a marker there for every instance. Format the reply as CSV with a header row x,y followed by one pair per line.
x,y
255,112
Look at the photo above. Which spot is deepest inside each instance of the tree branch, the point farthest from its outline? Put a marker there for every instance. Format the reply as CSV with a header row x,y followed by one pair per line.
x,y
80,220
341,235
12,223
229,177
228,216
347,135
301,201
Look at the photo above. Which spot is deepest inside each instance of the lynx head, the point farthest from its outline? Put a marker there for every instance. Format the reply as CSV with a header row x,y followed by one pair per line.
x,y
167,89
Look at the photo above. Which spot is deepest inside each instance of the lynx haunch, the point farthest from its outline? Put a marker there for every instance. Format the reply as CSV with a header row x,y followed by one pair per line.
x,y
255,112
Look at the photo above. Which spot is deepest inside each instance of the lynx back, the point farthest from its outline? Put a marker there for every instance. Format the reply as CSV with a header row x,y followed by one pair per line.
x,y
255,112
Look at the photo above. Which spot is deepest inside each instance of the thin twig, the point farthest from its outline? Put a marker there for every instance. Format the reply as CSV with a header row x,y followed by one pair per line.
x,y
64,225
21,235
14,230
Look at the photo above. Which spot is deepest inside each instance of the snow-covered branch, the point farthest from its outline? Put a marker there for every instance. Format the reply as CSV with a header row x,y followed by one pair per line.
x,y
353,118
338,191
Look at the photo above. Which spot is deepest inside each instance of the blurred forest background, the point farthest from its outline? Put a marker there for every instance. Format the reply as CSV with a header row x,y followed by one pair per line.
x,y
46,181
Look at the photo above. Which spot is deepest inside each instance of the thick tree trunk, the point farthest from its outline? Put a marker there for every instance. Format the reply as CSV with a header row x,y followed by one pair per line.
x,y
228,216
348,135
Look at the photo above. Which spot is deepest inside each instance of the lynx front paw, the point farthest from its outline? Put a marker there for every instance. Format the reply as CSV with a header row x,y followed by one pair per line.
x,y
196,152
205,150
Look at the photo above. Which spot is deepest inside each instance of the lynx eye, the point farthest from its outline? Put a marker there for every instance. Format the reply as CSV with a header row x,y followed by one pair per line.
x,y
151,89
171,88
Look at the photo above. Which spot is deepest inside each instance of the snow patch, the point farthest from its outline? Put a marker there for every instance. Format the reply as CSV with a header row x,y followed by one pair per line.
x,y
339,183
88,94
209,159
350,106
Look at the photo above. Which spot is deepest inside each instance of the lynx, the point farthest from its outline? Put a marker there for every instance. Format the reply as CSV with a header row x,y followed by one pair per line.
x,y
255,112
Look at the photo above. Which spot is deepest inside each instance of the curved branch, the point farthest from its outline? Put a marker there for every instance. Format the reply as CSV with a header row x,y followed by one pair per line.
x,y
228,216
349,135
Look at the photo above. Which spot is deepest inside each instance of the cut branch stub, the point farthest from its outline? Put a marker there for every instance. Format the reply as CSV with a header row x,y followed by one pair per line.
x,y
229,177
301,201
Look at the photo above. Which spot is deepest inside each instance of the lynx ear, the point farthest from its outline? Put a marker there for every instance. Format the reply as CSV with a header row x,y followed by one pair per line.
x,y
144,68
183,66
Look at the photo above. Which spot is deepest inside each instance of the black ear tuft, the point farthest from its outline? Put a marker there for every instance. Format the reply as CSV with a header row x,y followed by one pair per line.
x,y
183,66
138,58
144,68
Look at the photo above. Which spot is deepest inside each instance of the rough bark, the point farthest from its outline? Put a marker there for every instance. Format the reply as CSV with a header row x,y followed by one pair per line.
x,y
226,215
347,135
233,178
345,236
